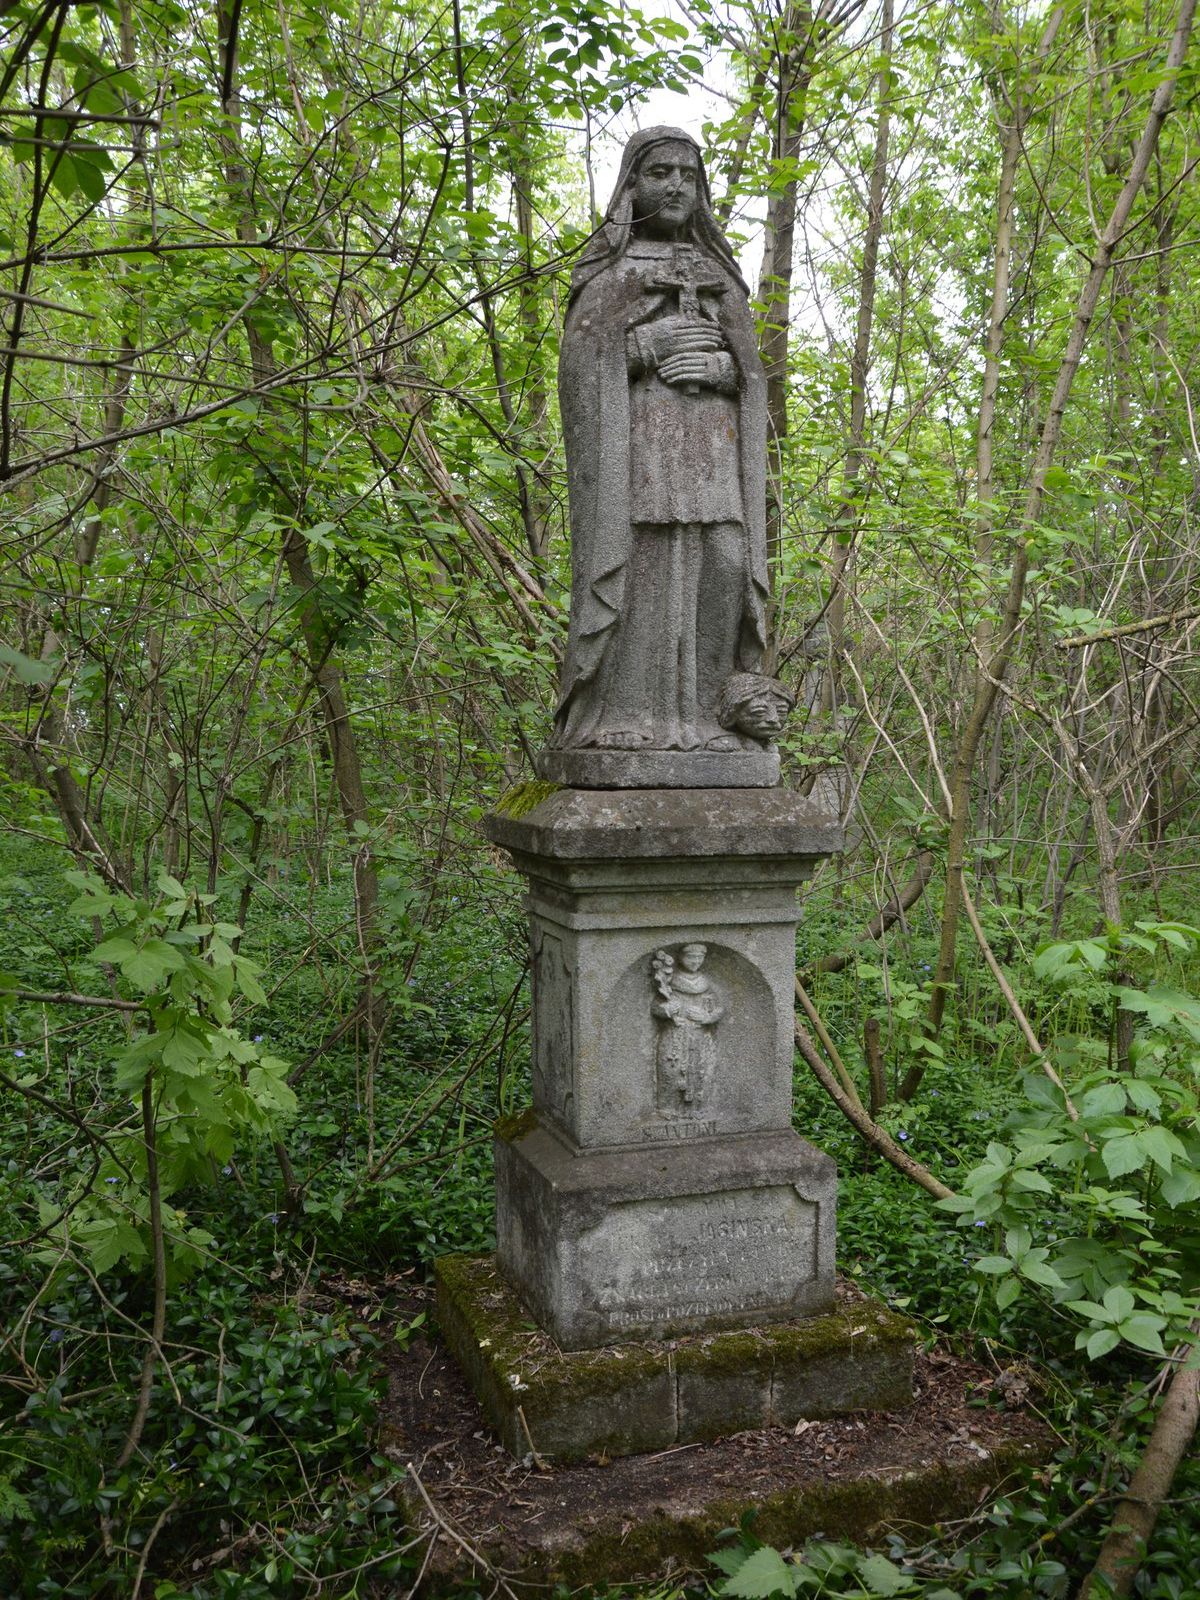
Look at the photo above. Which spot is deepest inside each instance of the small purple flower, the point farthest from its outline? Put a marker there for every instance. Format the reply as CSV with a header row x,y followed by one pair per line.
x,y
258,1038
226,1170
20,1054
56,1336
902,1134
272,1216
112,1180
981,1222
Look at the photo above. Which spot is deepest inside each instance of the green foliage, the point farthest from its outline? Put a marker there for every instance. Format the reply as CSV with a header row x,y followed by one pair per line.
x,y
756,1571
1093,1203
209,1088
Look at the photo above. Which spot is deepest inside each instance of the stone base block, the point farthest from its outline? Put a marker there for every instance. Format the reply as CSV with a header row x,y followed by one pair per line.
x,y
634,1398
660,769
653,1241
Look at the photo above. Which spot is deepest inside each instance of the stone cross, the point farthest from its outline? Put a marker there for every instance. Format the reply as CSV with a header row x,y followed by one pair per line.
x,y
689,284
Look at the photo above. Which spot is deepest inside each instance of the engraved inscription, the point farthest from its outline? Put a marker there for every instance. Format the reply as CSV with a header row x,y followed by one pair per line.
x,y
670,1131
699,1256
687,1008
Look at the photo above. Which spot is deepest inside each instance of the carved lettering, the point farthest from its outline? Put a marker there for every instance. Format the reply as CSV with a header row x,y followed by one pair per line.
x,y
660,1131
717,1254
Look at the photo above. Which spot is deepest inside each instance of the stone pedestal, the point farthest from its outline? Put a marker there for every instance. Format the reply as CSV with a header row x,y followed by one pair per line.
x,y
658,1188
627,1398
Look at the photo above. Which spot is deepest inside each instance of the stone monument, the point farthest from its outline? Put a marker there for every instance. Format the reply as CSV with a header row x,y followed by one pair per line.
x,y
657,1190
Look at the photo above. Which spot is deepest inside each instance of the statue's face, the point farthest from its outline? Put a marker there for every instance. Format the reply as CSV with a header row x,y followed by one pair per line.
x,y
692,957
664,190
763,715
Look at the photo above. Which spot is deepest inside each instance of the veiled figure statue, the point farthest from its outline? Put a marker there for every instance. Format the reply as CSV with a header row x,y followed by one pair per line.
x,y
663,403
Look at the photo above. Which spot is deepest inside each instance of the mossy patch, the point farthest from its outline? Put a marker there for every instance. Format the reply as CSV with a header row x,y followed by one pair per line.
x,y
668,1538
522,798
629,1397
516,1126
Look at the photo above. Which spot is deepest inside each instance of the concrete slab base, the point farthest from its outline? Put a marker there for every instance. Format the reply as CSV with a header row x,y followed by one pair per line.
x,y
624,1399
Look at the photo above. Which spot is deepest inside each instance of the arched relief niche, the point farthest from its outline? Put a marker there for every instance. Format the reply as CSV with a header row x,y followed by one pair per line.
x,y
689,1028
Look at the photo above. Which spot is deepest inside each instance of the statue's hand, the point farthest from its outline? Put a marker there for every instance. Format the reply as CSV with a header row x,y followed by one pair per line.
x,y
696,367
681,336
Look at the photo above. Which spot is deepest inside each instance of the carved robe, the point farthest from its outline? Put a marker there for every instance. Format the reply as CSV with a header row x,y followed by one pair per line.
x,y
686,1057
667,500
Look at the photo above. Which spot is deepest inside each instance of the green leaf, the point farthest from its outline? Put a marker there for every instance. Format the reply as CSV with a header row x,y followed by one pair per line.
x,y
1105,1100
726,1561
1118,1302
1163,1148
1143,1097
1123,1154
26,668
1180,1187
1090,1310
1144,1331
994,1264
248,983
1008,1291
763,1574
1017,1241
1035,1267
880,1575
1101,1342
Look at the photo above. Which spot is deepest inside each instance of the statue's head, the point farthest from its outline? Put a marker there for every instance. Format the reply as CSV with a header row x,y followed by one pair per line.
x,y
755,705
663,186
691,957
661,193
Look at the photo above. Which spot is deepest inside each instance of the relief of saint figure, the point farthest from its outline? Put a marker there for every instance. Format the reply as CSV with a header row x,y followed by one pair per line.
x,y
689,1007
664,415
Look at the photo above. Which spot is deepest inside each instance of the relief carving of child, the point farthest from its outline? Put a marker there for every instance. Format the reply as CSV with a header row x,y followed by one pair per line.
x,y
690,1006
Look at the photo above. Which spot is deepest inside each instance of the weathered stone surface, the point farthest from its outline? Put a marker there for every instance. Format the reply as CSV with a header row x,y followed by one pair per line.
x,y
660,769
710,1233
561,826
627,1398
617,890
661,1535
622,1407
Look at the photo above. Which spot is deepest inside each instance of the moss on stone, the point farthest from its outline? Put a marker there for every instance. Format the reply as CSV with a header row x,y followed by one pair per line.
x,y
663,1543
521,799
582,1400
516,1126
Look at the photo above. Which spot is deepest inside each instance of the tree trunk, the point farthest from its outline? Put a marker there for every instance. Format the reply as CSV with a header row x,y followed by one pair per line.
x,y
343,747
993,670
1137,1512
793,68
847,519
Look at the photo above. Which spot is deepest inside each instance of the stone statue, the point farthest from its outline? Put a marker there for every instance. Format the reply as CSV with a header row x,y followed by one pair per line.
x,y
664,414
689,1004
